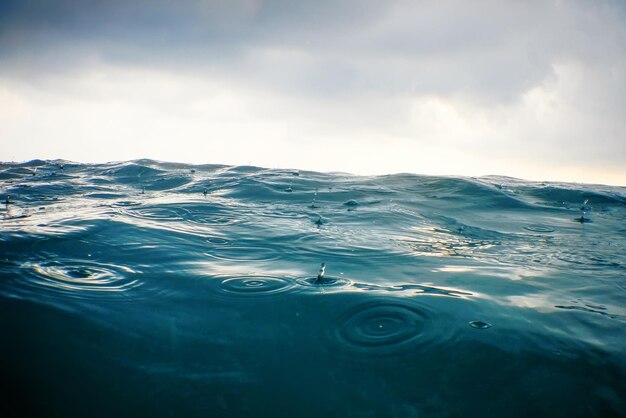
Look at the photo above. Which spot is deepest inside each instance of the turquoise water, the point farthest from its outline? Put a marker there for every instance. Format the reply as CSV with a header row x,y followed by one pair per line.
x,y
158,289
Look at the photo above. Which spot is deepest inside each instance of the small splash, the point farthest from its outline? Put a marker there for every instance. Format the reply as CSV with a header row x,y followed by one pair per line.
x,y
320,275
479,324
584,209
584,206
323,281
327,282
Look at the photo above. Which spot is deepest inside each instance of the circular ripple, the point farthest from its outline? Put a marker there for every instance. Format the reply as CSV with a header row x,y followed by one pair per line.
x,y
259,253
255,285
211,218
193,215
385,327
83,278
217,241
479,324
327,282
190,219
539,228
124,203
158,213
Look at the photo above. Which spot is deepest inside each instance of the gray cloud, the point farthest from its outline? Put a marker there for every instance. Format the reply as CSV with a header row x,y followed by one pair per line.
x,y
485,50
360,63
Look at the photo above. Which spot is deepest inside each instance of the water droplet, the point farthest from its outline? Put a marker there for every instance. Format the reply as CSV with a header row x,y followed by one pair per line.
x,y
320,275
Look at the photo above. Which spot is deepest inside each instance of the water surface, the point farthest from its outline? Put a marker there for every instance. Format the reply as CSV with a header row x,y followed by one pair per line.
x,y
154,289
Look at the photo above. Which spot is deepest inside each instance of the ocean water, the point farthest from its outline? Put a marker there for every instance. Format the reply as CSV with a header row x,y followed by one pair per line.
x,y
151,289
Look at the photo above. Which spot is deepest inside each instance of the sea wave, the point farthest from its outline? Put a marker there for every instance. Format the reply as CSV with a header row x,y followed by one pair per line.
x,y
201,285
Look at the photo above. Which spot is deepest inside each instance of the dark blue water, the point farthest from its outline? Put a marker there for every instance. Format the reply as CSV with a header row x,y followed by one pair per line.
x,y
167,290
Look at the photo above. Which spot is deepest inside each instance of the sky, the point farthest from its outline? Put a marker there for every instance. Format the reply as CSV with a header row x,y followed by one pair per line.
x,y
528,89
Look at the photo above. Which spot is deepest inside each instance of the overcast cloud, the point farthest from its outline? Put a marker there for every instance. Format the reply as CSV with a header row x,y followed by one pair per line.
x,y
532,89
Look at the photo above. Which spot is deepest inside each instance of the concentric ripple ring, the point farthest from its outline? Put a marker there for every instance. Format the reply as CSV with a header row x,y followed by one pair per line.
x,y
83,278
255,285
381,327
539,228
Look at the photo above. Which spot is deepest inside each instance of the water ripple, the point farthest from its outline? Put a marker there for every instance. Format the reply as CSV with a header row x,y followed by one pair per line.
x,y
539,228
184,218
381,327
252,286
326,282
389,326
243,252
82,278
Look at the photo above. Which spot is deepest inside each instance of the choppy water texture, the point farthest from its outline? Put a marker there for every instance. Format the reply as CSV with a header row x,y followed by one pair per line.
x,y
158,289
